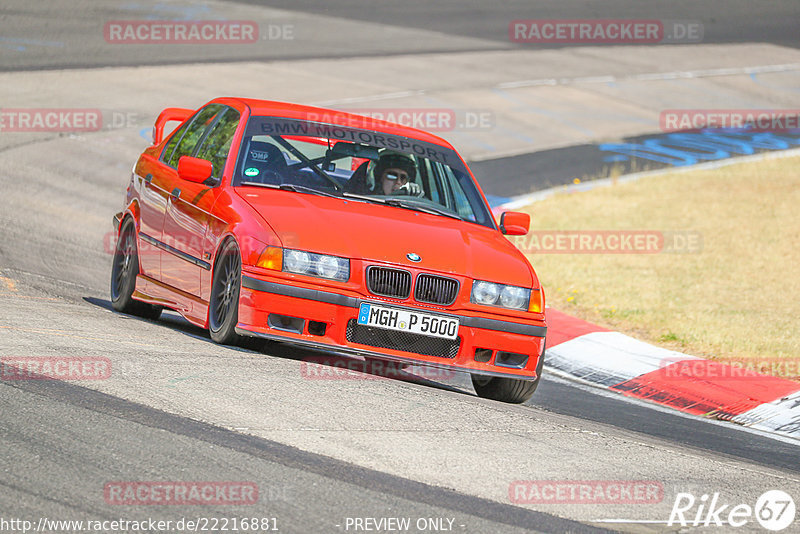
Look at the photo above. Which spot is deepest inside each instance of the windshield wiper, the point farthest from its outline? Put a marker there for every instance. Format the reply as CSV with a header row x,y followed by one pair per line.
x,y
259,184
304,189
418,207
295,188
377,200
400,203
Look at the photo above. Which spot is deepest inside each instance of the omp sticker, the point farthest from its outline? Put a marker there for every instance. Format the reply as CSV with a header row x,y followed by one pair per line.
x,y
258,155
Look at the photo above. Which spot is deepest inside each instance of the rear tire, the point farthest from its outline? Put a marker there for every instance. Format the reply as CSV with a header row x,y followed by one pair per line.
x,y
223,306
511,390
124,268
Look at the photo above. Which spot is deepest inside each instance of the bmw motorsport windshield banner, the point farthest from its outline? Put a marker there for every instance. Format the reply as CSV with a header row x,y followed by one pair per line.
x,y
335,132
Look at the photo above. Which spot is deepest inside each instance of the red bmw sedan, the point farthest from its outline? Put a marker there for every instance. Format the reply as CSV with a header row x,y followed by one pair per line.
x,y
331,231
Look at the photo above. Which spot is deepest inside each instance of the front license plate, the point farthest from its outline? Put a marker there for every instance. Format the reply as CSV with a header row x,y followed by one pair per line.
x,y
408,321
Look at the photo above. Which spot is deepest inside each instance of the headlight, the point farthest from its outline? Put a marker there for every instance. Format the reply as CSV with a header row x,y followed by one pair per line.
x,y
491,294
296,261
514,297
485,292
332,267
324,266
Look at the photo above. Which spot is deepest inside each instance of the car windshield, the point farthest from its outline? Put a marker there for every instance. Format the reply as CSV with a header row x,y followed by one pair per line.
x,y
312,157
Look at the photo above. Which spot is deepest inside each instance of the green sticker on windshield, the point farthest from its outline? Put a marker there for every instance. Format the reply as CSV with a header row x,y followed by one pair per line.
x,y
251,171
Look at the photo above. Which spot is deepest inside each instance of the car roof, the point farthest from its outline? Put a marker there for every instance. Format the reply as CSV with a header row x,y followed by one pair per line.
x,y
332,116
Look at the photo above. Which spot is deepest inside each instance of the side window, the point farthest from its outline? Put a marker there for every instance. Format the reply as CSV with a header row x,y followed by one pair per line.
x,y
173,141
217,142
462,205
192,134
429,181
263,161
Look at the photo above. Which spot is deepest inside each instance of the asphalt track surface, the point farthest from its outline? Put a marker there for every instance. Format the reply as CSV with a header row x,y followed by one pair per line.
x,y
517,175
305,492
476,25
180,408
735,23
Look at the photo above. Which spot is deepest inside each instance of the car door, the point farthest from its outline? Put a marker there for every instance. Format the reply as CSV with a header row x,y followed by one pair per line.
x,y
156,179
153,179
189,206
152,207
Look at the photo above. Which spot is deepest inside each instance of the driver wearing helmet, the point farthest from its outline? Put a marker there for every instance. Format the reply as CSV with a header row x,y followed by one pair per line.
x,y
395,174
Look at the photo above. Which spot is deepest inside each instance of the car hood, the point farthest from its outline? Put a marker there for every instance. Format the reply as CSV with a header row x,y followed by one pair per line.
x,y
369,231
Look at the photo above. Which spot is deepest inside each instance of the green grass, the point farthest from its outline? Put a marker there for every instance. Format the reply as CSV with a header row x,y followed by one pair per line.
x,y
738,298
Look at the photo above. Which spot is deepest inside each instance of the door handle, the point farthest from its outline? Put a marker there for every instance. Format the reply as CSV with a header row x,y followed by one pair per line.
x,y
176,193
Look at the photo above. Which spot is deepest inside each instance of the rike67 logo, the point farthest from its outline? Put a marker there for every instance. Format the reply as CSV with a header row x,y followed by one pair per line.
x,y
774,510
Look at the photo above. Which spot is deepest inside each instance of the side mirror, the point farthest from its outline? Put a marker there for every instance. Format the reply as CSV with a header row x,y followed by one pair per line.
x,y
194,169
169,115
515,223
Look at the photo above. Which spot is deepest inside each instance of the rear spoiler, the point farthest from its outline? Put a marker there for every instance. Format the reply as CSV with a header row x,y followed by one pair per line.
x,y
169,115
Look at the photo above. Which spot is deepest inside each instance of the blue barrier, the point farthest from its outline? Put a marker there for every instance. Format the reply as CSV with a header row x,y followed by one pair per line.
x,y
681,149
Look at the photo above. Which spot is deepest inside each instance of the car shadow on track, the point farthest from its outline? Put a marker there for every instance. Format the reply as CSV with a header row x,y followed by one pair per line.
x,y
317,365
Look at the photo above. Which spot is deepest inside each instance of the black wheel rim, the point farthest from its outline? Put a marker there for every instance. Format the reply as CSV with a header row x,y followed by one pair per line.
x,y
124,259
226,287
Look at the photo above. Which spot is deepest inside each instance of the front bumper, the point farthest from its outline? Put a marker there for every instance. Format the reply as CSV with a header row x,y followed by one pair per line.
x,y
305,309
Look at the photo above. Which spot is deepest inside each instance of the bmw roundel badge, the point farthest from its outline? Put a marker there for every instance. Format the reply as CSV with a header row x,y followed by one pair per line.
x,y
413,257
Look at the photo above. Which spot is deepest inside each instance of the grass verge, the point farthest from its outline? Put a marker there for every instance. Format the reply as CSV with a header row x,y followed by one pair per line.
x,y
733,297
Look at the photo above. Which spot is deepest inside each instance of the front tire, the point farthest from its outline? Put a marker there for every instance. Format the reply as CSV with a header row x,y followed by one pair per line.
x,y
511,390
223,306
124,268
